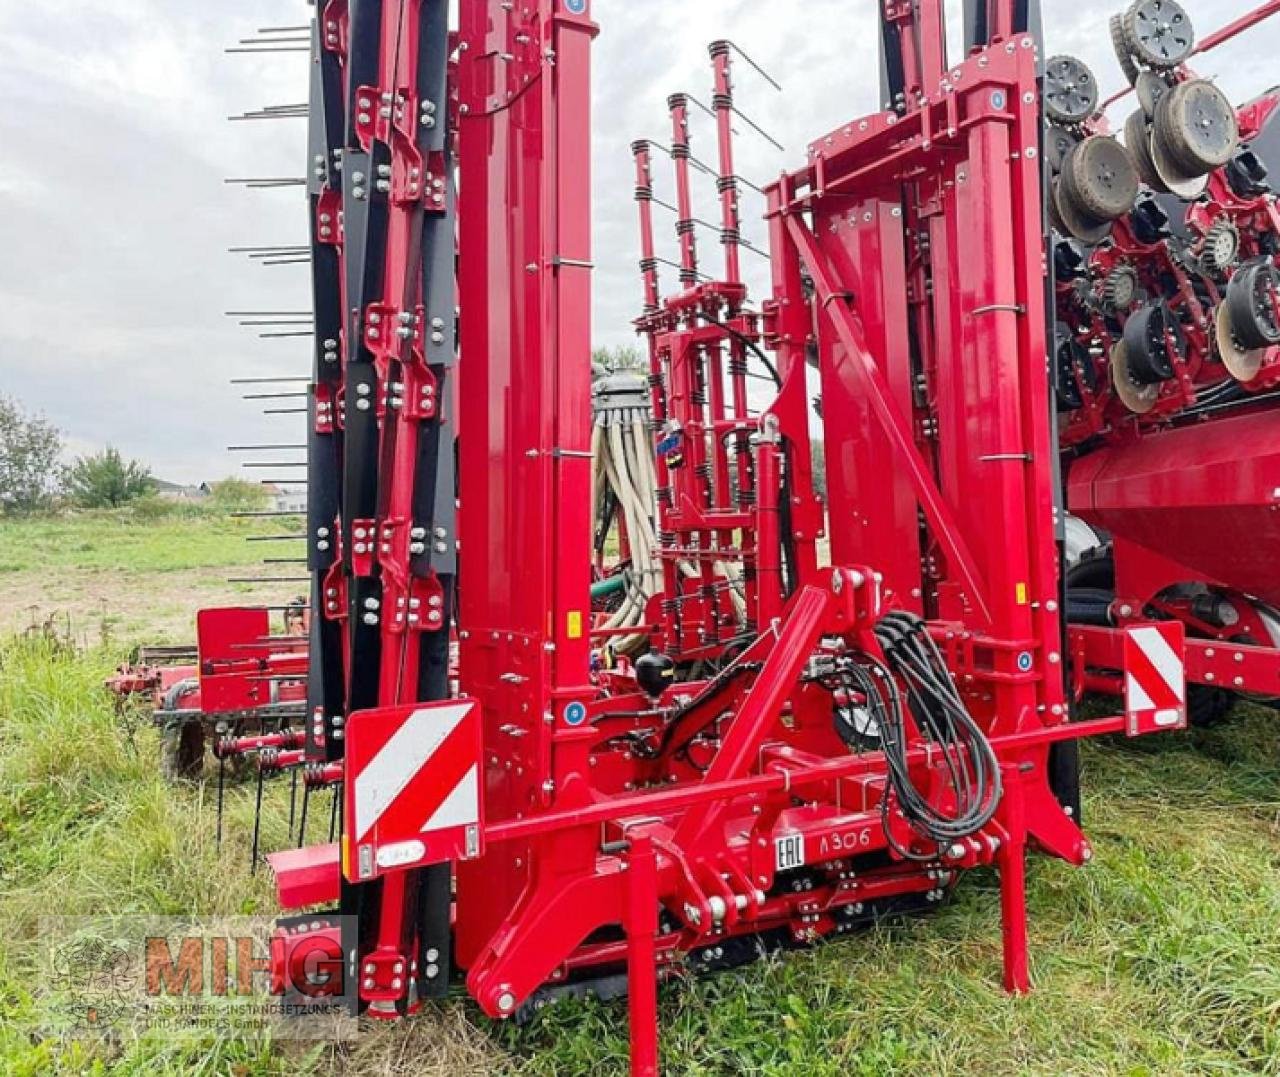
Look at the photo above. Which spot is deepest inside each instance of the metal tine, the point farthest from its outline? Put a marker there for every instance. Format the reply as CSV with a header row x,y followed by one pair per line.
x,y
710,228
273,41
269,314
725,42
306,28
757,128
701,104
269,464
265,448
268,247
271,114
284,561
293,798
222,781
266,181
269,579
267,381
302,823
261,514
280,336
263,322
677,265
333,815
289,262
284,411
743,179
275,396
257,824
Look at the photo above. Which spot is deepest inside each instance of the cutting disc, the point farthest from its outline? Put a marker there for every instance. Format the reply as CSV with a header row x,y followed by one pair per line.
x,y
1242,363
1139,399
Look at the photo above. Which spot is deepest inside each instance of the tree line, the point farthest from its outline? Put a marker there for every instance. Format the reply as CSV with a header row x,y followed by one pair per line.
x,y
33,477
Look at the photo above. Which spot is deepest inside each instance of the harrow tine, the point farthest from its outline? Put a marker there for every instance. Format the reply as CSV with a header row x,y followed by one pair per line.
x,y
333,815
222,780
257,823
267,448
725,43
293,799
758,129
302,823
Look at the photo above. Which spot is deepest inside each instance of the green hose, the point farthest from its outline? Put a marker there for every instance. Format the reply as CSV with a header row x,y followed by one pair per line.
x,y
610,586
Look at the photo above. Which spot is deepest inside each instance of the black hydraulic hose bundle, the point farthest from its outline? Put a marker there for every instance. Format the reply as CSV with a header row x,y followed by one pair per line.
x,y
944,720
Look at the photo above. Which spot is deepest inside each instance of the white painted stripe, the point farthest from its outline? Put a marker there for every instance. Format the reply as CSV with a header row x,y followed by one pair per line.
x,y
461,807
400,759
1136,695
1164,658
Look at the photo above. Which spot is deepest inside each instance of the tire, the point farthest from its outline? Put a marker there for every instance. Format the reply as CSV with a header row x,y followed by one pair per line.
x,y
1100,178
1162,50
1252,322
1120,42
1197,127
182,750
1137,140
1208,706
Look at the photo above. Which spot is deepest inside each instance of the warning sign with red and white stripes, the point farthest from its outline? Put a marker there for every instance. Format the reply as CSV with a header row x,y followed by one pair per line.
x,y
1155,678
412,793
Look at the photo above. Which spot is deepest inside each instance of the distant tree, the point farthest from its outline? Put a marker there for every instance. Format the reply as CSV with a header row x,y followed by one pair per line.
x,y
29,450
619,360
106,480
238,495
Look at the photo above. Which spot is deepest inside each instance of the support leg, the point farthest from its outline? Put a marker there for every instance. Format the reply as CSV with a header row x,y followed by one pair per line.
x,y
642,967
1012,862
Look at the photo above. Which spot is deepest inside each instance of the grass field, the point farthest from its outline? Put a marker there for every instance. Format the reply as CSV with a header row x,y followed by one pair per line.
x,y
1162,957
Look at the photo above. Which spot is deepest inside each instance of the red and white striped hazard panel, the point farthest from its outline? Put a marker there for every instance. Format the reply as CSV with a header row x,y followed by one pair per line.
x,y
412,794
1155,678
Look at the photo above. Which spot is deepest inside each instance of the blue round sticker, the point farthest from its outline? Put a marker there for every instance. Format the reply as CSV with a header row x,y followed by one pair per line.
x,y
575,714
575,7
1024,661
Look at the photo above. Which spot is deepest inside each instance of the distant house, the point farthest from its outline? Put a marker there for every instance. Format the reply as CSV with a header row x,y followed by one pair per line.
x,y
283,499
176,491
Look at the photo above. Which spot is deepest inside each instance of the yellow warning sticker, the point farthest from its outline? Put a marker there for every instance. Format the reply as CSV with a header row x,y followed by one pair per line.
x,y
574,627
1021,592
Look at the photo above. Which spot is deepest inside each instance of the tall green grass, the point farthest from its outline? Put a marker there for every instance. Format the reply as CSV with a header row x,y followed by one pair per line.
x,y
151,536
1162,957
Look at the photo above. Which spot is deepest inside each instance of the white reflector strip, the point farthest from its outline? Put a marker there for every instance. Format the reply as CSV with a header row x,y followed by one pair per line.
x,y
461,807
400,759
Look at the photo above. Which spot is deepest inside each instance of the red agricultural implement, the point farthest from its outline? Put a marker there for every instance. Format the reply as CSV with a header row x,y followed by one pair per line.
x,y
767,740
1168,360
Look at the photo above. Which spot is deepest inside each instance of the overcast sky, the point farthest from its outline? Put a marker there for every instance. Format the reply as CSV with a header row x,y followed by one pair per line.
x,y
115,219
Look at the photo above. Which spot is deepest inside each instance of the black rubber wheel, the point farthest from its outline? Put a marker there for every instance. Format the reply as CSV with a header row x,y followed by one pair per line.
x,y
1251,305
1146,336
1095,571
1100,179
1137,140
1064,777
1197,128
1149,88
1158,33
182,750
1070,221
1070,90
1208,706
1057,144
1120,42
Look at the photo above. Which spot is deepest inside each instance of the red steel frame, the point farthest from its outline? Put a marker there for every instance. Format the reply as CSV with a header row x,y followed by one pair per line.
x,y
909,253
